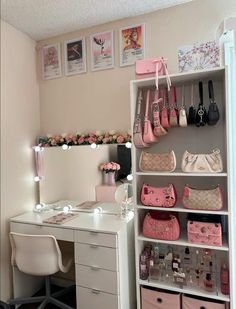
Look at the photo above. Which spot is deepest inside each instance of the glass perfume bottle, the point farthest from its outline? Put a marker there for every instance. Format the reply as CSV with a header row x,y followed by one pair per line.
x,y
208,283
224,279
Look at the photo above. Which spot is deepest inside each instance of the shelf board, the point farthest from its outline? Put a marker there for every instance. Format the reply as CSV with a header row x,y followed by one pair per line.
x,y
181,174
186,290
182,241
179,208
182,77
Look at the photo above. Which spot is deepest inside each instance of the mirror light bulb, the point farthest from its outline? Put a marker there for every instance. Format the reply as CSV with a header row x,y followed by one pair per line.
x,y
130,177
128,144
38,206
38,148
93,146
65,147
36,178
97,210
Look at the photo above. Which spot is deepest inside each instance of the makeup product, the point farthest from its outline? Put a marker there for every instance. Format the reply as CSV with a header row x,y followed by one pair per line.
x,y
187,258
176,263
224,279
208,283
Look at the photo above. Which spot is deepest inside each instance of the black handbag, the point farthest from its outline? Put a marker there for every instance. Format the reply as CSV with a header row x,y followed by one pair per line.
x,y
201,114
192,109
213,112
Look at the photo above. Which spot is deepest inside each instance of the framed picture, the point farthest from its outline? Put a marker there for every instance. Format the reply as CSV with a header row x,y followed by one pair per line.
x,y
132,44
102,51
198,56
75,56
51,61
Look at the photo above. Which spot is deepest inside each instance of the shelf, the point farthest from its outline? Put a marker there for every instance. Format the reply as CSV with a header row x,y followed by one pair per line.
x,y
182,241
181,174
182,77
179,208
186,290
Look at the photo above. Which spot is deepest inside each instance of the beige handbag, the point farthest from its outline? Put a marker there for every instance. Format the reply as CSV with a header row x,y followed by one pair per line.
x,y
205,199
202,163
157,162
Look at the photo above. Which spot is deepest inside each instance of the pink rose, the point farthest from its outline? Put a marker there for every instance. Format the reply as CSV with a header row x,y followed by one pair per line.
x,y
109,166
120,139
91,134
105,140
81,140
91,140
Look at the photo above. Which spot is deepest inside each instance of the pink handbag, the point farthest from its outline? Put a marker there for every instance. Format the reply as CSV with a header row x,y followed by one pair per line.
x,y
198,303
204,233
173,116
164,111
152,67
138,130
160,197
162,226
148,135
152,299
158,128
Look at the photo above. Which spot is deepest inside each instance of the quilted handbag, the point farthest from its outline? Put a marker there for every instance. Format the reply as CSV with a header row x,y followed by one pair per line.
x,y
207,199
202,163
138,130
163,226
148,135
153,67
200,231
157,162
160,197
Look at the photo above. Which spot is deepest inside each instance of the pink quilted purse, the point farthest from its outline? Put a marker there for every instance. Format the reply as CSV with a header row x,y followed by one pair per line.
x,y
204,233
163,226
160,197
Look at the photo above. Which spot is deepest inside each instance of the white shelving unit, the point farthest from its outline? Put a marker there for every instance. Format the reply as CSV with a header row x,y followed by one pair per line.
x,y
195,140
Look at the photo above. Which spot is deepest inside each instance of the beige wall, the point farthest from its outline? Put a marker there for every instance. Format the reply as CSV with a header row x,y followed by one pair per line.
x,y
19,126
100,100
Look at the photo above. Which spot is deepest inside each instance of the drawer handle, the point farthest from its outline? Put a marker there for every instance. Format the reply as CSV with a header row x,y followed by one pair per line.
x,y
94,291
159,300
94,233
94,268
202,307
94,246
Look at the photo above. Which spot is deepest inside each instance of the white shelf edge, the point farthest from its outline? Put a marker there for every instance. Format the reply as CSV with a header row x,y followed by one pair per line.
x,y
185,290
182,241
185,210
182,174
184,75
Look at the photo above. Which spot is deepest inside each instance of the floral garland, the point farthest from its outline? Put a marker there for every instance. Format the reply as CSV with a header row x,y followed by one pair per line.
x,y
98,137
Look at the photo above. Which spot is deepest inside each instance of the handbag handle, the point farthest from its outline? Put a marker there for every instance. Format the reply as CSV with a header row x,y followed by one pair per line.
x,y
162,61
183,98
173,97
165,98
140,98
211,91
147,105
200,86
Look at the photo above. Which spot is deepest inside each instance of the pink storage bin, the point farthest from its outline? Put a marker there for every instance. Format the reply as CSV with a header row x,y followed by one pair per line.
x,y
152,299
195,303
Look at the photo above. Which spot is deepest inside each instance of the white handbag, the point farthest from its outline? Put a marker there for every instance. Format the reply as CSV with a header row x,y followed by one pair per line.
x,y
202,163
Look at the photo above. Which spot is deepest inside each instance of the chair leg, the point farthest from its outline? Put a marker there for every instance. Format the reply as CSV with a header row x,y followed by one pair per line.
x,y
26,300
59,303
44,303
63,291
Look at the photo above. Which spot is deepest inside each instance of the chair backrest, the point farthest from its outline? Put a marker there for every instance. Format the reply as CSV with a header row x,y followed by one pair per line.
x,y
37,255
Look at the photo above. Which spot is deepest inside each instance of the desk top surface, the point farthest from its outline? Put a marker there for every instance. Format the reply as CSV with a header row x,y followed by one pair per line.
x,y
110,223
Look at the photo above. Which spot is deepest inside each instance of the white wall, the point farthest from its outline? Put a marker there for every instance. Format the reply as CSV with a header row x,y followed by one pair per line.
x,y
19,127
100,100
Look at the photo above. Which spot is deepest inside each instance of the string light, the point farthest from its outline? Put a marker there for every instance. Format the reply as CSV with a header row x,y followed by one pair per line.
x,y
130,177
65,147
36,178
38,148
128,144
94,146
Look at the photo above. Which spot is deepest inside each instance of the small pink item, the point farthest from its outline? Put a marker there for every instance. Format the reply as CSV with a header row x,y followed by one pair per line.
x,y
163,226
160,197
197,303
204,233
164,111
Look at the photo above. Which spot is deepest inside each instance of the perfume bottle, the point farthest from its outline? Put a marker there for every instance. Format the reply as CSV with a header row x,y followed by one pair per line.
x,y
187,258
144,261
208,283
176,263
153,268
224,279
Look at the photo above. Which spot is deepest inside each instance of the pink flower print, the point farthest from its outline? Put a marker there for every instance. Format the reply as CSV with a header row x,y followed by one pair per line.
x,y
81,140
105,140
91,140
120,139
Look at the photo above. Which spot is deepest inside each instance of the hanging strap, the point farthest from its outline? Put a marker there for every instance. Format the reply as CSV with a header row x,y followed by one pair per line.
x,y
156,110
162,61
192,101
147,105
183,98
140,98
173,97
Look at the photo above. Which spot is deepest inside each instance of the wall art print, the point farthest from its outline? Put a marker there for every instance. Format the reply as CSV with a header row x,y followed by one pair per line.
x,y
75,56
198,56
51,61
132,44
102,51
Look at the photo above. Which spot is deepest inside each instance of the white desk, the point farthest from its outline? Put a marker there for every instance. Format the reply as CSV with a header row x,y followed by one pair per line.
x,y
104,256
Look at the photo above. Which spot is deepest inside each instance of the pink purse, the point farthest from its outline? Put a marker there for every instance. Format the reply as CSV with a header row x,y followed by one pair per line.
x,y
138,130
159,225
164,111
160,197
204,233
152,67
158,128
148,135
173,116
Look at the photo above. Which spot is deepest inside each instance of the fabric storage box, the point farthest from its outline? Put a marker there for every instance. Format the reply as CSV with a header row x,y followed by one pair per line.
x,y
153,299
200,303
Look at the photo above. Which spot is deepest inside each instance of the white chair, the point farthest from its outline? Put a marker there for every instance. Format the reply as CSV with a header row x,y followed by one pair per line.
x,y
39,255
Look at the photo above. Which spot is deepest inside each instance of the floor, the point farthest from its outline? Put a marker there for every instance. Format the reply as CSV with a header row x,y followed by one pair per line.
x,y
69,299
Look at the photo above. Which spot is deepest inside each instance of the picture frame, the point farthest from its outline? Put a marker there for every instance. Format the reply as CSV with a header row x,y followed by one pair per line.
x,y
131,44
102,50
51,61
75,56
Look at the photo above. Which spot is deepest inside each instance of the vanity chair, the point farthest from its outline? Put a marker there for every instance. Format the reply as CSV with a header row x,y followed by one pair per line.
x,y
39,255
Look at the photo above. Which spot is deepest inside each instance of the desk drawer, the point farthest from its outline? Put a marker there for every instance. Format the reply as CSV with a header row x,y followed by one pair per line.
x,y
97,278
91,255
59,233
95,299
102,239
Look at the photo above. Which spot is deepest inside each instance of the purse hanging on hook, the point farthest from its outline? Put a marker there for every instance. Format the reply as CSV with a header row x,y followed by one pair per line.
x,y
158,129
182,111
